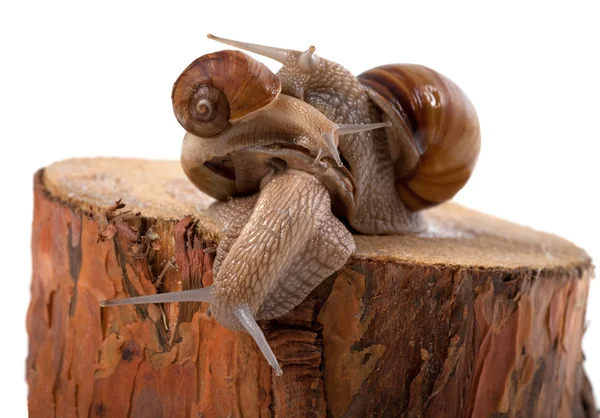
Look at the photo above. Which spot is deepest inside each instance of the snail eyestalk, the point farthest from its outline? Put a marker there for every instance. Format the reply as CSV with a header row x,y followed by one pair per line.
x,y
195,295
306,61
344,129
318,157
244,315
278,54
328,139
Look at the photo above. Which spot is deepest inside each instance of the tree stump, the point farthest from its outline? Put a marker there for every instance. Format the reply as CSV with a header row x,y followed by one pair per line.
x,y
477,317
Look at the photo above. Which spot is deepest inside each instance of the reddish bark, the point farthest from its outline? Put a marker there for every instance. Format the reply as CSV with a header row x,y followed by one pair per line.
x,y
380,338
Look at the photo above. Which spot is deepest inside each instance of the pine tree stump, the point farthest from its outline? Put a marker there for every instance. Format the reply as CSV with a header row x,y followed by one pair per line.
x,y
477,317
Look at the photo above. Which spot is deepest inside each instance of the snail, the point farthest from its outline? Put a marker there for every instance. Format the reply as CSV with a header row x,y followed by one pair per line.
x,y
299,160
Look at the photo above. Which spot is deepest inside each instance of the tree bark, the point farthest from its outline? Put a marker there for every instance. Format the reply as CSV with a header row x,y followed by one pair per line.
x,y
477,317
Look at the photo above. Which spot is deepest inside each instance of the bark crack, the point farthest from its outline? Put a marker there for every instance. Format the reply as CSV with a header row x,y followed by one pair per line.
x,y
139,365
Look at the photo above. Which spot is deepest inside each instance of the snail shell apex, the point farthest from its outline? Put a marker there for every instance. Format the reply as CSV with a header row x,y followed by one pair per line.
x,y
247,84
435,138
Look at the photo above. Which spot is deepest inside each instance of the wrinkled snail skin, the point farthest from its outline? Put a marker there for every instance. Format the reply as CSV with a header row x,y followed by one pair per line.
x,y
339,95
285,155
336,93
273,258
277,247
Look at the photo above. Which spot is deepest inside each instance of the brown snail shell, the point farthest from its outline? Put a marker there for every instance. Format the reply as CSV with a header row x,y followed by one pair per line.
x,y
234,84
434,139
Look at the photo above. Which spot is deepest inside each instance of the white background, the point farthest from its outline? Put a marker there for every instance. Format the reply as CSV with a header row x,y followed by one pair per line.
x,y
94,78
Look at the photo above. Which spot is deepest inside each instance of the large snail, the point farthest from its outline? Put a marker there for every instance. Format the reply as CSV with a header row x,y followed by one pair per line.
x,y
289,155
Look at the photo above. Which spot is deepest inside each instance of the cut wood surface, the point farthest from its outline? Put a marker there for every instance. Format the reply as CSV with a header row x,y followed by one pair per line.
x,y
476,317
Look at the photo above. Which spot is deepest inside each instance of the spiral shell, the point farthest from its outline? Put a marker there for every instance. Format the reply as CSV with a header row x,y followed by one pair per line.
x,y
434,140
247,85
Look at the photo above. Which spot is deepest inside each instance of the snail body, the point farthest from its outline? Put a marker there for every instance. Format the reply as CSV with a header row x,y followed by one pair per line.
x,y
432,144
287,154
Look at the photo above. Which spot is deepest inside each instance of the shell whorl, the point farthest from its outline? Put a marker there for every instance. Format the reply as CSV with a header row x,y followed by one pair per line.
x,y
434,140
247,84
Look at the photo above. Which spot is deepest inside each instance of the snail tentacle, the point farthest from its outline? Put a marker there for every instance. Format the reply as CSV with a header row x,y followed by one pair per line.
x,y
244,315
306,60
329,141
194,295
345,129
319,156
278,54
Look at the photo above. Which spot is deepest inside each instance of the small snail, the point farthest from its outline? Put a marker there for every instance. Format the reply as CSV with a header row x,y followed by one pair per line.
x,y
288,155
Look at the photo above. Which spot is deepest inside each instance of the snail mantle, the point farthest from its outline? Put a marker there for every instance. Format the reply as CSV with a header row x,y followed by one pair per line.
x,y
474,317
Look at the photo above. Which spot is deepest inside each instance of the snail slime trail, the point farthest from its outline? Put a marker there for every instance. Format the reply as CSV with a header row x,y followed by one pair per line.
x,y
286,154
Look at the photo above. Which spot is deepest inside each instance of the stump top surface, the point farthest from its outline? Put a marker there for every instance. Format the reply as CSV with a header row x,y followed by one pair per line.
x,y
456,235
